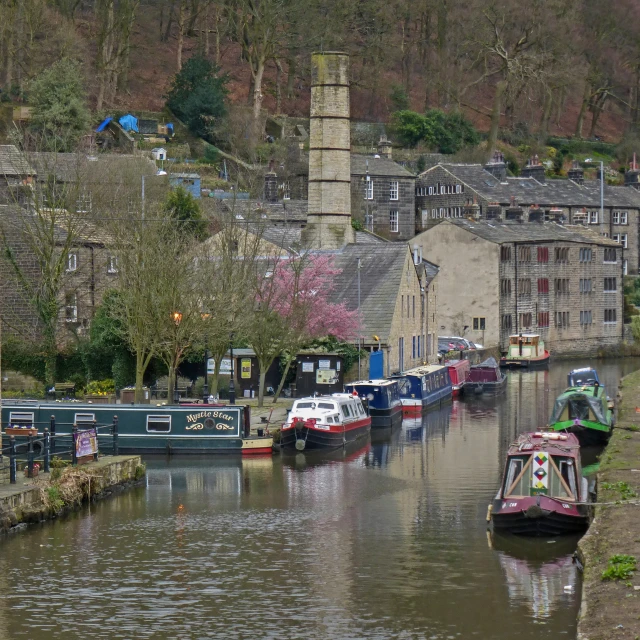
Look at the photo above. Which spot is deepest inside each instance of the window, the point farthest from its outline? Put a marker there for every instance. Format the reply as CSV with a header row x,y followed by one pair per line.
x,y
418,346
479,324
610,315
623,240
593,217
434,213
393,221
585,317
585,285
368,220
516,482
402,306
506,322
413,347
112,264
625,267
414,306
543,285
562,286
505,254
393,190
524,286
72,261
161,424
624,217
610,285
586,255
616,217
83,203
562,254
401,354
610,255
543,319
562,319
430,191
543,254
524,254
71,307
441,212
84,420
425,216
525,320
505,288
368,188
20,419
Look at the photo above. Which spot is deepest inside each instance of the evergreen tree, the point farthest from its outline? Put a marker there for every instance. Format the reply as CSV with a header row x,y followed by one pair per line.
x,y
60,114
183,207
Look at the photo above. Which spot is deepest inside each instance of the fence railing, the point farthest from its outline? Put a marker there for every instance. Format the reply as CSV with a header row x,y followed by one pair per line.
x,y
31,449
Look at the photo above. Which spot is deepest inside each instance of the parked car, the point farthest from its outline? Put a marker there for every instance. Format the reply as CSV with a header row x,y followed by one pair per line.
x,y
457,340
451,344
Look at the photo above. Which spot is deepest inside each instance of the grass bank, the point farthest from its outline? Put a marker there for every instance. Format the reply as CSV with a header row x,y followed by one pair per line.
x,y
611,548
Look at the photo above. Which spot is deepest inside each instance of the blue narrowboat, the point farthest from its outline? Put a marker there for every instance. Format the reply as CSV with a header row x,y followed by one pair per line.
x,y
422,387
173,429
382,398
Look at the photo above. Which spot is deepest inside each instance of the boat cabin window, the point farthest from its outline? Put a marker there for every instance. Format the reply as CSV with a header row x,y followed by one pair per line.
x,y
306,405
515,475
325,405
161,424
84,420
404,384
429,384
346,411
568,474
20,419
578,408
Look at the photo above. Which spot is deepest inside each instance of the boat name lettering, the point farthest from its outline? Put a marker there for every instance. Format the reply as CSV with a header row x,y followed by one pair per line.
x,y
192,417
566,506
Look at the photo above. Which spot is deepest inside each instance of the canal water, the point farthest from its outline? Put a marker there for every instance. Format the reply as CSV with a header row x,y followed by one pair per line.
x,y
387,541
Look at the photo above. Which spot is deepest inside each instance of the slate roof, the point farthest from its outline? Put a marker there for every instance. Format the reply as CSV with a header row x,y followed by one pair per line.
x,y
381,269
285,211
431,270
69,167
377,167
561,192
506,231
13,162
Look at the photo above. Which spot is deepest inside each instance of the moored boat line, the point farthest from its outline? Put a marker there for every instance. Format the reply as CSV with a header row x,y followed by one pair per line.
x,y
423,387
382,400
525,350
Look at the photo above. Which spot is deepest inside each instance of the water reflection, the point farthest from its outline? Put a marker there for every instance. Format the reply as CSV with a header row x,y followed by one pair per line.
x,y
386,540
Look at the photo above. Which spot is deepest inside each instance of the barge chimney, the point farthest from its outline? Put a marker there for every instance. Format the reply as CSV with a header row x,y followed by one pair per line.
x,y
329,216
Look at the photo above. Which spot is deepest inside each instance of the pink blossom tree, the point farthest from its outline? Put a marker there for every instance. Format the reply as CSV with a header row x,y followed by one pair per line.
x,y
293,307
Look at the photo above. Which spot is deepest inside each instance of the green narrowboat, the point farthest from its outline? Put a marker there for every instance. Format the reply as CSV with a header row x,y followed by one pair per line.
x,y
173,429
584,411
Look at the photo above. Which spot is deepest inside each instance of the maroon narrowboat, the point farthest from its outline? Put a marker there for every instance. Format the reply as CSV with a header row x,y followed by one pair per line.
x,y
458,374
542,491
486,378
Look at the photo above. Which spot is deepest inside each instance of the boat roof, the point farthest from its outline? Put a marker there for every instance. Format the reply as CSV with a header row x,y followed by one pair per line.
x,y
378,382
524,335
334,397
420,371
583,390
456,363
582,369
556,444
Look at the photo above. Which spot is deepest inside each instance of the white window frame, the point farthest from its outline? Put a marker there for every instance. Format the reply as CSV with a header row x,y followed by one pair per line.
x,y
625,267
112,264
624,239
84,418
72,262
71,307
611,321
394,219
616,217
615,281
441,212
21,416
434,214
425,215
158,418
368,189
624,217
430,191
593,217
394,190
83,203
616,237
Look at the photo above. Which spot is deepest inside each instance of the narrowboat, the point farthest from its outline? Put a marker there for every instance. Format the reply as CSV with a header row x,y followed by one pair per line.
x,y
325,422
486,378
172,429
458,374
543,492
525,350
583,411
422,387
382,400
587,376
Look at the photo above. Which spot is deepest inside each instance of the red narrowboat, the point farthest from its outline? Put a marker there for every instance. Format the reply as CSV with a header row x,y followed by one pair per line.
x,y
542,491
486,378
325,422
458,374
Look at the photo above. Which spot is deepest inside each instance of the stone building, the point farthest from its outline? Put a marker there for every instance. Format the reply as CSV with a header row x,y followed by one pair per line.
x,y
450,191
383,196
502,278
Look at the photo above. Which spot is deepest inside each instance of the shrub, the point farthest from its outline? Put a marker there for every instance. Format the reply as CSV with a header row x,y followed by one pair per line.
x,y
620,567
101,387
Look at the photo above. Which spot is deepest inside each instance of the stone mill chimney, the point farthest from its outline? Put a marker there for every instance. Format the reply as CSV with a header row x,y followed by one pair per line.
x,y
329,217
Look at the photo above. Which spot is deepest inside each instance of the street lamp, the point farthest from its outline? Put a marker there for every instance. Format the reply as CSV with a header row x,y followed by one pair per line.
x,y
177,319
232,384
205,387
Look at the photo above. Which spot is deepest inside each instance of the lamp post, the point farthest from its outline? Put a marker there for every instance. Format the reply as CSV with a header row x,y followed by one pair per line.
x,y
205,386
177,318
232,384
359,337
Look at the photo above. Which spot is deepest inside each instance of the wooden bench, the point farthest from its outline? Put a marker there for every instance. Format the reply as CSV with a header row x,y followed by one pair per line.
x,y
159,390
63,390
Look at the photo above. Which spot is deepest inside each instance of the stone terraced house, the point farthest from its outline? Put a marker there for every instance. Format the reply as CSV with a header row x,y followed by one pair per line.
x,y
454,191
499,278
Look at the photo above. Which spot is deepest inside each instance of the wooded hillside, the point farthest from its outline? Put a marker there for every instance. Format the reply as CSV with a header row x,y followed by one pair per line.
x,y
545,66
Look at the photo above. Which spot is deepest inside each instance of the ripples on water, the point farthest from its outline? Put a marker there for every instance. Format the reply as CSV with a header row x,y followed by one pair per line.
x,y
388,541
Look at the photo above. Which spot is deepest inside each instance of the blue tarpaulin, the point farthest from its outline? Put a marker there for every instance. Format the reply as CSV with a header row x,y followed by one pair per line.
x,y
103,124
170,127
129,123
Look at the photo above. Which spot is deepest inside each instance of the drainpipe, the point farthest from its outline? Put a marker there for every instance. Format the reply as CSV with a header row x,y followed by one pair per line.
x,y
515,288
